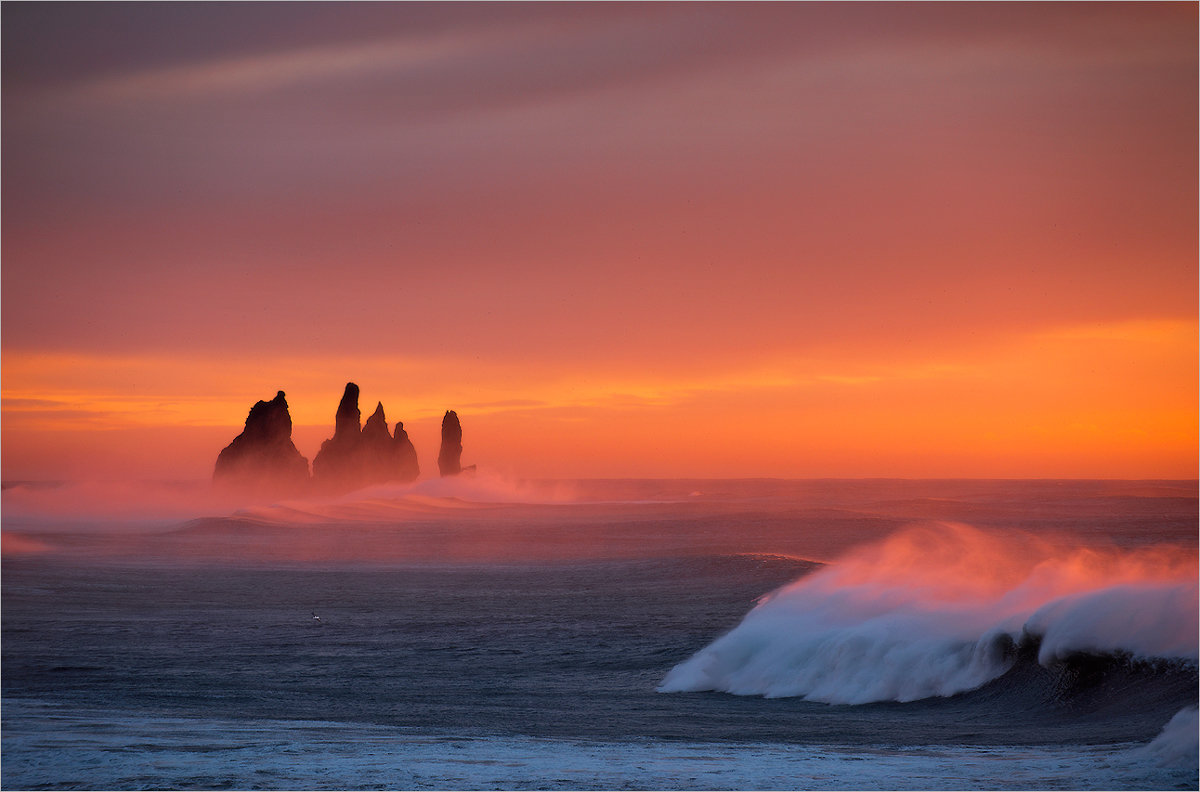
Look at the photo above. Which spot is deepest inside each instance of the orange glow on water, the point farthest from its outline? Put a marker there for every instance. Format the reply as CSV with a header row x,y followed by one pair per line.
x,y
954,563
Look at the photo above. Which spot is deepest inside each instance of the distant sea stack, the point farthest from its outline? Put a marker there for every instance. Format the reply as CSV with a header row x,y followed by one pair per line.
x,y
263,459
450,457
376,448
337,465
387,458
405,455
356,457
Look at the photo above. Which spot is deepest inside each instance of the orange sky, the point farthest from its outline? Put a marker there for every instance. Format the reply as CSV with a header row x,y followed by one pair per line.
x,y
620,240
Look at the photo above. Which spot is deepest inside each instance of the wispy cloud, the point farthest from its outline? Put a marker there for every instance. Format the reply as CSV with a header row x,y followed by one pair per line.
x,y
501,404
35,404
525,56
271,71
1144,331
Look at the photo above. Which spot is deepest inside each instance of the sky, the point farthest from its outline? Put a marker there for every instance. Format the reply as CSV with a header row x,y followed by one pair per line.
x,y
666,240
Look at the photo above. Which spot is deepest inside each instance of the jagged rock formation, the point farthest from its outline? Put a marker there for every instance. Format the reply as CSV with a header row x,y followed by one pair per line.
x,y
404,455
263,459
450,456
376,446
387,458
356,457
337,465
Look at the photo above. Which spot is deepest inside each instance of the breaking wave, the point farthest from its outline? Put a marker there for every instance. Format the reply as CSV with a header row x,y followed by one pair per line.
x,y
1178,743
941,609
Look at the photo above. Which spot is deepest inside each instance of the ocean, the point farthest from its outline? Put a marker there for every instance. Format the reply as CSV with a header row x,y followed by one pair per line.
x,y
480,633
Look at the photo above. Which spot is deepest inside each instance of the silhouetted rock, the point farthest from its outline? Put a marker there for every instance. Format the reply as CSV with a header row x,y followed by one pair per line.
x,y
386,458
405,455
376,448
355,458
376,426
346,422
263,459
339,463
450,456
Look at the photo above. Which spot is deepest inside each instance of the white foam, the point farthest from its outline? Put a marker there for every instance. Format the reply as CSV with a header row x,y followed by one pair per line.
x,y
1146,620
924,613
1178,745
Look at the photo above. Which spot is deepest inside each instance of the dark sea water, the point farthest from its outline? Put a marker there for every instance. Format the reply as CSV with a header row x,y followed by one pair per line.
x,y
483,634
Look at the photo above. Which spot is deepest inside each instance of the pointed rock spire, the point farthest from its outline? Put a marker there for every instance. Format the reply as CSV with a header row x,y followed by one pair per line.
x,y
379,450
404,455
356,457
338,466
346,422
376,425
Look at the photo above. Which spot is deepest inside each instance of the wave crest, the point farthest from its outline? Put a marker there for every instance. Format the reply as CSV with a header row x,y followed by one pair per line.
x,y
935,610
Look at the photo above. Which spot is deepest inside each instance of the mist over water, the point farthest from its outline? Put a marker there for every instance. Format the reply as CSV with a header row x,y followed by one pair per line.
x,y
488,516
90,502
1040,633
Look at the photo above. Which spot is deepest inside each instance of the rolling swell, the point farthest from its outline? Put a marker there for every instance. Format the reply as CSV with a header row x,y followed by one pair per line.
x,y
563,650
1113,688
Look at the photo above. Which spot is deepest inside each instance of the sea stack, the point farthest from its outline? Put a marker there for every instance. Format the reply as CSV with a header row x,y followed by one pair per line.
x,y
404,455
386,458
450,457
263,459
338,465
356,457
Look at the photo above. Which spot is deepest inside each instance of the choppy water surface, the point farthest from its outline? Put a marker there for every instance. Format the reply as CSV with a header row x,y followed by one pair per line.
x,y
522,642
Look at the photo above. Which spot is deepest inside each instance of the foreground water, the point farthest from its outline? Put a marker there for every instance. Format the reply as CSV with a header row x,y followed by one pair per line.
x,y
492,636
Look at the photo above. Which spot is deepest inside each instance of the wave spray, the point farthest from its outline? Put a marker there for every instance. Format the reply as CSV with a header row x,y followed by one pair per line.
x,y
939,609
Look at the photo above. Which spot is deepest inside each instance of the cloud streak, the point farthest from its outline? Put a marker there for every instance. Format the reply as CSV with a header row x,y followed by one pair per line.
x,y
269,72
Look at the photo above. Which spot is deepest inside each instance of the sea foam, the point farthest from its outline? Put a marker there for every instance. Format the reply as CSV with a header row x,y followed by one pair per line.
x,y
935,610
1177,745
